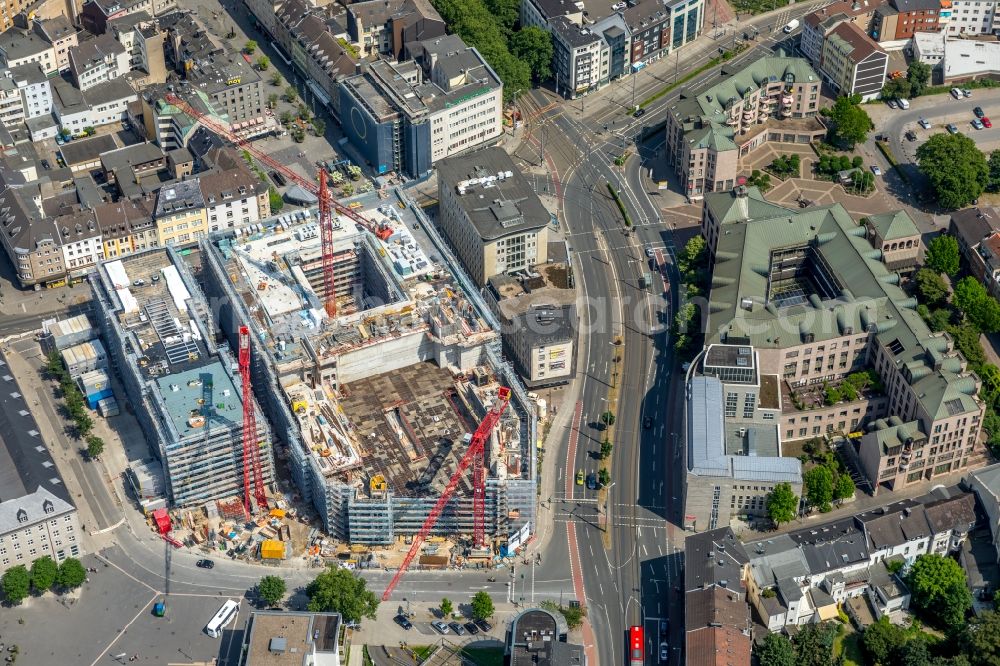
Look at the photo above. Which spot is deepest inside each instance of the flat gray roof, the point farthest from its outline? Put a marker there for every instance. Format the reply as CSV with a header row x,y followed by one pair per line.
x,y
498,207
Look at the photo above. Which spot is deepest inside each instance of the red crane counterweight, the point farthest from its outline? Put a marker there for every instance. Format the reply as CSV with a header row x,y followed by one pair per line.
x,y
473,455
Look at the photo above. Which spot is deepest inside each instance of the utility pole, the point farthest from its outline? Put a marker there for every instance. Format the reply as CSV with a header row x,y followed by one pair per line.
x,y
541,145
634,74
677,64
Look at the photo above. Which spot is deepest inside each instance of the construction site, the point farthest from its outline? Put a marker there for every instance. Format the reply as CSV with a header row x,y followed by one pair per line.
x,y
378,367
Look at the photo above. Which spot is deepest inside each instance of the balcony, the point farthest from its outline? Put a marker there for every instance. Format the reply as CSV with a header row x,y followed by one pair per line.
x,y
787,99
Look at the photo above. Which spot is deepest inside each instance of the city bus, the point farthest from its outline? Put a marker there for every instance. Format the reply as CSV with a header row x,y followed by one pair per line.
x,y
223,618
636,647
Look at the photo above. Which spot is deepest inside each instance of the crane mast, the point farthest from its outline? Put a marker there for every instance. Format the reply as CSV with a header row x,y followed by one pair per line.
x,y
253,477
326,239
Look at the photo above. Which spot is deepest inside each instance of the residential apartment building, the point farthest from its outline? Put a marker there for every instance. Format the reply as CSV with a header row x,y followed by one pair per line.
x,y
96,15
649,24
60,32
98,61
708,133
853,63
895,22
180,213
491,215
985,483
818,24
977,231
102,104
384,27
581,58
320,56
716,614
972,17
539,322
22,46
81,242
538,13
407,116
24,93
814,318
804,576
126,226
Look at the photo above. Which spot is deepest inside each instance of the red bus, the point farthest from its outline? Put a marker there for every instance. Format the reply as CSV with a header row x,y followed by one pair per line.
x,y
636,647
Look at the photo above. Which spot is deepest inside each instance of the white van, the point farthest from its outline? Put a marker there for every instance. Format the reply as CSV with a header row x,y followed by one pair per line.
x,y
792,25
956,93
903,103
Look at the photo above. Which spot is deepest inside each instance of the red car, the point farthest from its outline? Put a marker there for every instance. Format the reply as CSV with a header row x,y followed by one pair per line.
x,y
986,122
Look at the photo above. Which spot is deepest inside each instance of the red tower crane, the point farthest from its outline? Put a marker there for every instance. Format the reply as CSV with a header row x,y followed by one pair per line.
x,y
326,239
219,127
473,455
251,447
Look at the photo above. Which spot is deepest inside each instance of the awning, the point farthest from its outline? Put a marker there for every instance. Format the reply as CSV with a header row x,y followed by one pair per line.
x,y
319,93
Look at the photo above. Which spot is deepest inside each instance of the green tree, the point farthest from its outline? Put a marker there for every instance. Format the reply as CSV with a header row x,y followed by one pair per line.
x,y
918,74
881,640
940,319
250,47
693,257
978,306
338,590
277,203
776,650
276,80
939,592
95,446
534,47
319,126
955,167
897,89
43,573
966,337
606,448
943,255
819,487
506,12
446,607
913,652
603,477
84,424
930,286
272,101
851,123
16,584
54,365
271,589
608,418
263,63
982,639
291,94
993,184
782,504
844,488
482,605
71,574
814,645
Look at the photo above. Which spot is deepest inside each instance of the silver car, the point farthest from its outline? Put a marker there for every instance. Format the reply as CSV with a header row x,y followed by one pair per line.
x,y
440,626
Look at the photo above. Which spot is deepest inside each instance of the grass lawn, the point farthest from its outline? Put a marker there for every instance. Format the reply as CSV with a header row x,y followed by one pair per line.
x,y
484,656
422,651
849,645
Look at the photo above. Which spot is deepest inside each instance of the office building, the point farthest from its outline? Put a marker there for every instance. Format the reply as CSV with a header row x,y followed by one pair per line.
x,y
491,214
181,387
273,638
853,63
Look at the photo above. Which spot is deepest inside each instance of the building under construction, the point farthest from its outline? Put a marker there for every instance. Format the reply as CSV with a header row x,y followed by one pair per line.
x,y
183,389
376,404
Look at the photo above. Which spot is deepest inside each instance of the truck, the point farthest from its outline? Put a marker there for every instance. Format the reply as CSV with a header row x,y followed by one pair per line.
x,y
790,26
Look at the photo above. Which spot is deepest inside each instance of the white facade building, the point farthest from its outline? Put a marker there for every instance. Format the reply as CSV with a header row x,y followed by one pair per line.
x,y
97,61
581,57
24,93
973,17
36,525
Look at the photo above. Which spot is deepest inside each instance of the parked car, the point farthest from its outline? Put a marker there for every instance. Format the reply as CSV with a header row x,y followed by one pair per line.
x,y
876,170
892,104
471,628
664,627
979,112
903,103
923,123
986,122
956,93
440,626
951,128
966,92
46,165
910,135
484,625
404,622
977,123
664,653
457,628
201,564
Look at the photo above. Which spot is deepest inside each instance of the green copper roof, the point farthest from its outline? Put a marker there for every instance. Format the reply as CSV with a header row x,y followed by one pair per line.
x,y
891,226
